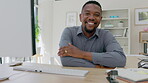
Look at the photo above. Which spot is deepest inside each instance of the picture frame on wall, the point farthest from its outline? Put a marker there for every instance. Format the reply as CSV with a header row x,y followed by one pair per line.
x,y
141,16
71,19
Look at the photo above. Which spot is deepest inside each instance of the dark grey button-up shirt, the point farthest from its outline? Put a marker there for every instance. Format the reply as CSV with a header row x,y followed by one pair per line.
x,y
105,50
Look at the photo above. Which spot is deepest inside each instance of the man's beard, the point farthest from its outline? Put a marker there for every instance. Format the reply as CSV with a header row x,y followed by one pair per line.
x,y
89,31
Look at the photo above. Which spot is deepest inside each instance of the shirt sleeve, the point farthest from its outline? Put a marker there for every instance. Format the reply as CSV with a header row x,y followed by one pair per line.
x,y
71,61
66,37
76,62
114,55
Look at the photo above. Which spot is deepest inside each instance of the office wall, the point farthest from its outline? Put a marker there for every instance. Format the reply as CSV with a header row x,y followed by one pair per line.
x,y
61,7
46,22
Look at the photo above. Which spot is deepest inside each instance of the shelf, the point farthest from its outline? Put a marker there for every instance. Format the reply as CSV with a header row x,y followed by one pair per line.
x,y
144,41
116,28
122,37
115,18
143,32
143,53
117,21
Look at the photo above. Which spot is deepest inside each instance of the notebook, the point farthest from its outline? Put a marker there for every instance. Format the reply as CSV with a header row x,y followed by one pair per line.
x,y
133,74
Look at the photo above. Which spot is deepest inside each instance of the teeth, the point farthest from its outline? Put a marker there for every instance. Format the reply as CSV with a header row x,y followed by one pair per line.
x,y
90,23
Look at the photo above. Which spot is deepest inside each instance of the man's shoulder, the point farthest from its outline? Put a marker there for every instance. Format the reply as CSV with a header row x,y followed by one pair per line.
x,y
102,30
73,27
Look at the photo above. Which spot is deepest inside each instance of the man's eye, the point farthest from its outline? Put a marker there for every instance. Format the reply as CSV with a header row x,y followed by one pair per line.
x,y
87,14
97,15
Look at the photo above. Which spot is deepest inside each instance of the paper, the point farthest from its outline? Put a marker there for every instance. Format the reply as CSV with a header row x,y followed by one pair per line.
x,y
133,74
5,71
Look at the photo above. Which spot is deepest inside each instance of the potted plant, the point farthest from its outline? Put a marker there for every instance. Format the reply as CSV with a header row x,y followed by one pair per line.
x,y
37,30
120,24
37,36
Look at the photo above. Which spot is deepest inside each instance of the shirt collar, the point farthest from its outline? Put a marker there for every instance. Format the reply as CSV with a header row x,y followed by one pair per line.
x,y
97,32
80,31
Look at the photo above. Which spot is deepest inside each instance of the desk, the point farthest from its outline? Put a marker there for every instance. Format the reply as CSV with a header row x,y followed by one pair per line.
x,y
95,75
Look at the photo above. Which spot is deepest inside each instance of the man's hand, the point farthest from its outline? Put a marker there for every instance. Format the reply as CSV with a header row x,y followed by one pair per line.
x,y
70,50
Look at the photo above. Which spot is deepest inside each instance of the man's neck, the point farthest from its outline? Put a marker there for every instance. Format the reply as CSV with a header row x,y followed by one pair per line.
x,y
87,34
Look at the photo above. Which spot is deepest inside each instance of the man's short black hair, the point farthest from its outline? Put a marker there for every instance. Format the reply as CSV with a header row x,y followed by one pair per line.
x,y
92,2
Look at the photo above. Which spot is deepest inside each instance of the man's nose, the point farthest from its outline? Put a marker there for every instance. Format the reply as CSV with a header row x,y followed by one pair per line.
x,y
91,17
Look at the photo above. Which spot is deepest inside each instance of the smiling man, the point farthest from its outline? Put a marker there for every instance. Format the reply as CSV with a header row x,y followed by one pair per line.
x,y
89,46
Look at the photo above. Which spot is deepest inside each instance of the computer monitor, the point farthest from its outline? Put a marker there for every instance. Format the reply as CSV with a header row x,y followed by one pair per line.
x,y
17,28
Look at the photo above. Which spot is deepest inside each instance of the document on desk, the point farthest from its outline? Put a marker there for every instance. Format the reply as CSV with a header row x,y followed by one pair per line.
x,y
5,71
133,74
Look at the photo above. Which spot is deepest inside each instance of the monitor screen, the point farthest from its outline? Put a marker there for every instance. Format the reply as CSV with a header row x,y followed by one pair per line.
x,y
17,28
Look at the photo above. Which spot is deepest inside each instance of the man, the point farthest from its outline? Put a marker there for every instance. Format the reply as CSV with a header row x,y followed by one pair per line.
x,y
88,46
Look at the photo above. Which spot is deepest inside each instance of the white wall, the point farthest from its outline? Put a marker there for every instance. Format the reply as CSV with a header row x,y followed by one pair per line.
x,y
46,23
55,19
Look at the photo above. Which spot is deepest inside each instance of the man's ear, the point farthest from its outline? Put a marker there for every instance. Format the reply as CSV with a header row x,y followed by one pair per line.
x,y
101,17
80,17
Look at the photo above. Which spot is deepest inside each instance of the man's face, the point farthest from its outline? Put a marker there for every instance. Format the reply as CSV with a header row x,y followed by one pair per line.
x,y
90,17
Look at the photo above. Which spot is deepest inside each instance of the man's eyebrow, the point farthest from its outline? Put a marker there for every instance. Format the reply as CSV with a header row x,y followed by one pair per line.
x,y
89,11
86,10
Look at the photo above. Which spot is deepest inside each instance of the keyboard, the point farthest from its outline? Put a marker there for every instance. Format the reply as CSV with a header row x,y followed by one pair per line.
x,y
51,70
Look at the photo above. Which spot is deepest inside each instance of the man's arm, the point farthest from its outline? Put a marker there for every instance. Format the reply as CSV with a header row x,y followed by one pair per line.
x,y
66,38
76,62
113,57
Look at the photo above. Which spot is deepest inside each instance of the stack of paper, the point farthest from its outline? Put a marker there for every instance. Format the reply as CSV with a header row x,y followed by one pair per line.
x,y
133,74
